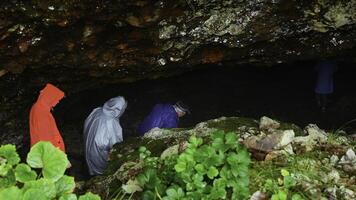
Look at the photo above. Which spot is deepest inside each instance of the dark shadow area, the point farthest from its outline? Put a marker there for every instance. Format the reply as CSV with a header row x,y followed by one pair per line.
x,y
282,92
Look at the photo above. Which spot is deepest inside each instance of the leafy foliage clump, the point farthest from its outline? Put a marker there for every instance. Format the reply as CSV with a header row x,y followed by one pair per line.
x,y
18,181
212,168
281,189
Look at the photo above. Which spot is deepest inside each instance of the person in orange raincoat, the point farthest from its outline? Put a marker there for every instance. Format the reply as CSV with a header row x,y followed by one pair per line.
x,y
42,123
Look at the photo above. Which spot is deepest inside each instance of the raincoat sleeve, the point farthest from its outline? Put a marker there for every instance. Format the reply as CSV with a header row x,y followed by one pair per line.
x,y
110,134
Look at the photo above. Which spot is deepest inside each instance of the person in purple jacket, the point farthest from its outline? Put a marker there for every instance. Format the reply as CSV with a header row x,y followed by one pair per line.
x,y
324,86
163,116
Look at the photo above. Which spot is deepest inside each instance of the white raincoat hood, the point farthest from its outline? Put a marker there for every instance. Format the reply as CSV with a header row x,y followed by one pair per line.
x,y
102,130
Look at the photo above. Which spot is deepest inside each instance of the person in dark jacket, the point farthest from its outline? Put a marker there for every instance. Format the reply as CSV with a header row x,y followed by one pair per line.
x,y
163,116
324,86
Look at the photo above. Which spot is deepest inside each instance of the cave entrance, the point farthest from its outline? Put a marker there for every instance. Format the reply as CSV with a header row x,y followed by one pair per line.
x,y
283,92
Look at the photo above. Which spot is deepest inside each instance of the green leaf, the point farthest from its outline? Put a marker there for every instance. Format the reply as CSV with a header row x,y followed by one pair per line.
x,y
180,166
243,157
198,181
4,169
282,195
148,195
218,144
195,142
34,193
270,186
89,196
174,194
52,160
8,152
46,186
68,197
288,182
132,186
231,138
218,135
221,183
23,173
142,149
284,172
297,197
214,160
65,185
171,192
11,193
232,159
8,180
212,172
200,169
275,197
225,173
218,193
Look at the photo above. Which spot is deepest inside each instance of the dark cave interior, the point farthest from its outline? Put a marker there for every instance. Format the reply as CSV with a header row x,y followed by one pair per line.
x,y
284,92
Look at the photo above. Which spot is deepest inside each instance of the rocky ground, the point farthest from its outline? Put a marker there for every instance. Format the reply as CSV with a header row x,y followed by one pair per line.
x,y
322,164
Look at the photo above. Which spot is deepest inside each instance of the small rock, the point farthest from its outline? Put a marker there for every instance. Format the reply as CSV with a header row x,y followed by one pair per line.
x,y
286,138
316,133
270,142
134,21
347,193
350,154
315,136
334,159
334,176
268,123
258,195
3,72
88,30
170,151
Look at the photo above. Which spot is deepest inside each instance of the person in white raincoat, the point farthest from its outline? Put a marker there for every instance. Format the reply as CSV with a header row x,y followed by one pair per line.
x,y
102,130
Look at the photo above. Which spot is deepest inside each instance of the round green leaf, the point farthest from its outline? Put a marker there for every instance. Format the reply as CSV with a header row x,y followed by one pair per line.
x,y
297,197
65,185
46,186
11,193
8,152
34,194
23,173
180,166
52,160
200,169
89,196
282,195
68,197
284,172
212,172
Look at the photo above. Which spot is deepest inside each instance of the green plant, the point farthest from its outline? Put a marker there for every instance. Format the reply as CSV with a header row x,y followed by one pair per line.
x,y
281,189
213,168
18,181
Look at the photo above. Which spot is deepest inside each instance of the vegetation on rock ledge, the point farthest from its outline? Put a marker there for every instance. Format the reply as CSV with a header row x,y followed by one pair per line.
x,y
206,163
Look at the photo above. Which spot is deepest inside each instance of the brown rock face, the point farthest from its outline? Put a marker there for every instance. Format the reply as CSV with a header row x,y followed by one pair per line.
x,y
116,36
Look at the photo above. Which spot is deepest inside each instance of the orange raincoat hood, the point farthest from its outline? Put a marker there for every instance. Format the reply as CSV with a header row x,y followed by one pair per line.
x,y
42,124
50,96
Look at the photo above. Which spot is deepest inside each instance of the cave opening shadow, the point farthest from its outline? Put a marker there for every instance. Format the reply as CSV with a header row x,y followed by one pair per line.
x,y
283,92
